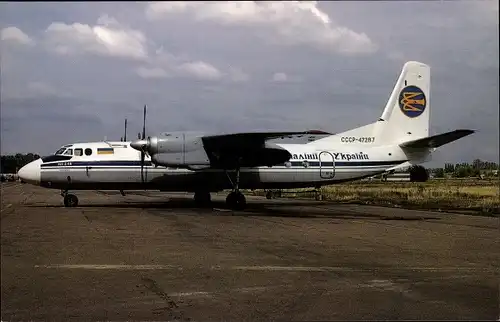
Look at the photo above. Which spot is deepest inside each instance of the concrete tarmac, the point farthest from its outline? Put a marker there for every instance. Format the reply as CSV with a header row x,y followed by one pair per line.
x,y
154,256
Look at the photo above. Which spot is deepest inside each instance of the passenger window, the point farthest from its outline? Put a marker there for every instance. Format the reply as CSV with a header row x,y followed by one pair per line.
x,y
78,152
88,151
68,152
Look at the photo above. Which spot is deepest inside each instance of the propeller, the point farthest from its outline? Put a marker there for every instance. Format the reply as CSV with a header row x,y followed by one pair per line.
x,y
143,147
142,144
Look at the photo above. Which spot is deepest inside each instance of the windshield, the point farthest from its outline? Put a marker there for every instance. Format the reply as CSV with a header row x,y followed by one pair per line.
x,y
60,151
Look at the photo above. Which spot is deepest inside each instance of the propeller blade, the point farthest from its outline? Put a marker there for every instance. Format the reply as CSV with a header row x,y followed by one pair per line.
x,y
143,146
142,166
144,124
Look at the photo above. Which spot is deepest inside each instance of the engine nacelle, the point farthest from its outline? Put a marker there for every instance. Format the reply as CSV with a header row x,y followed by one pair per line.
x,y
178,150
175,142
182,159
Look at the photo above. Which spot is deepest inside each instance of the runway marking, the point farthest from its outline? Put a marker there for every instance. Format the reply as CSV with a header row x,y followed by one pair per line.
x,y
291,268
104,266
388,285
184,294
258,268
222,210
239,290
172,267
350,269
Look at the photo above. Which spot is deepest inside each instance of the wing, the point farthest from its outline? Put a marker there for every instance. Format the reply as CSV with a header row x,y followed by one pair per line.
x,y
246,149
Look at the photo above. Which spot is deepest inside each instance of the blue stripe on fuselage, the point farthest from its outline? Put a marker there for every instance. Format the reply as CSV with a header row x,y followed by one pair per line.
x,y
95,163
148,163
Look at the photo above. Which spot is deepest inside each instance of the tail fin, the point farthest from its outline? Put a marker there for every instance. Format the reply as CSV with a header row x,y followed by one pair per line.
x,y
406,114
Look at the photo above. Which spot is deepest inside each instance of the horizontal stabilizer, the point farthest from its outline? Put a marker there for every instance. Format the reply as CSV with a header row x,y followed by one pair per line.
x,y
437,140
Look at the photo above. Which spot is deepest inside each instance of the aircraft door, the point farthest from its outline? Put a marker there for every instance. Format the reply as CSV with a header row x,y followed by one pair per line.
x,y
326,165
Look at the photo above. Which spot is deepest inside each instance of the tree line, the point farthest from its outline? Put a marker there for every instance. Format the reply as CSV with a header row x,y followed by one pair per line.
x,y
464,170
12,163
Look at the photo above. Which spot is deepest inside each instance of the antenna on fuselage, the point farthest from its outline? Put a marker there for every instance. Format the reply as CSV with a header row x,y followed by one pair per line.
x,y
125,136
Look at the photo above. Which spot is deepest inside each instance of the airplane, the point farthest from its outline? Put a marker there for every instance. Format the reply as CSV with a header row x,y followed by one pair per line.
x,y
204,163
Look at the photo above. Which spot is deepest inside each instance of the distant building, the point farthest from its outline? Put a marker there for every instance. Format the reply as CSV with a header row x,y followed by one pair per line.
x,y
401,176
397,176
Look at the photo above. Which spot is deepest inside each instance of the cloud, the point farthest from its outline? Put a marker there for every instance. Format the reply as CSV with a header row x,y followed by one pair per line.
x,y
237,75
32,90
293,22
106,20
41,88
16,35
151,72
196,70
58,121
486,12
164,65
201,64
106,38
199,70
280,77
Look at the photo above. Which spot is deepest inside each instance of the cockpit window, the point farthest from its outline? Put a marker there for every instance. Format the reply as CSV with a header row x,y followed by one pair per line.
x,y
79,152
68,152
60,151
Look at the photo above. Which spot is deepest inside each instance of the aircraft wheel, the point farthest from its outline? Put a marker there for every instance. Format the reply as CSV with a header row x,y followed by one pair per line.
x,y
70,200
269,194
236,200
202,198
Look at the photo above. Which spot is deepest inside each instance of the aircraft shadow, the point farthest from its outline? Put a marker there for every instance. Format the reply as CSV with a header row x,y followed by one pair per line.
x,y
264,208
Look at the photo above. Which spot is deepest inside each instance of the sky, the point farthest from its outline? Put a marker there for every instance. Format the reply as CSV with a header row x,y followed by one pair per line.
x,y
72,72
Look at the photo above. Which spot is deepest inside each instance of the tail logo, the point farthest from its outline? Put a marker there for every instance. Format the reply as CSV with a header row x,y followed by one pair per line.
x,y
412,101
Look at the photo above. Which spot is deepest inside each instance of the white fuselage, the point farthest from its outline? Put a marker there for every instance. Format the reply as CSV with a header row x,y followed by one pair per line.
x,y
311,165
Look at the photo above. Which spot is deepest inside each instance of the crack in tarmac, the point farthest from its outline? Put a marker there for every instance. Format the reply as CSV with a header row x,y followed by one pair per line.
x,y
172,309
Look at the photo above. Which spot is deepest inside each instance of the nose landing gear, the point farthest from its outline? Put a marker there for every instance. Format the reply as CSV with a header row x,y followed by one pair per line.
x,y
70,200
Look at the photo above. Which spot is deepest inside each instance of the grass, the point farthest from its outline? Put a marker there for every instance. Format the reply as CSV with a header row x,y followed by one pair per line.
x,y
465,196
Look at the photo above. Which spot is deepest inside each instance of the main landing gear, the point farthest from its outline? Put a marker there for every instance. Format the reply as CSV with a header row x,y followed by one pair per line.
x,y
70,200
235,200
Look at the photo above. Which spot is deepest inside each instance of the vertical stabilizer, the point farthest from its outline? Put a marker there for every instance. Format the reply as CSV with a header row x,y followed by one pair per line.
x,y
407,112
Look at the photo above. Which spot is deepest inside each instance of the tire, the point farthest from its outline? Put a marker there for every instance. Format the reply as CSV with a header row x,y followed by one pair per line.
x,y
70,200
236,201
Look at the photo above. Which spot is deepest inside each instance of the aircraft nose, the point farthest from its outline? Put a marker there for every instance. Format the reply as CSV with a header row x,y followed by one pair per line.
x,y
31,172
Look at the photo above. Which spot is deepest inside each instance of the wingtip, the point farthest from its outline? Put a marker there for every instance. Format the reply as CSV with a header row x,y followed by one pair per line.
x,y
469,131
